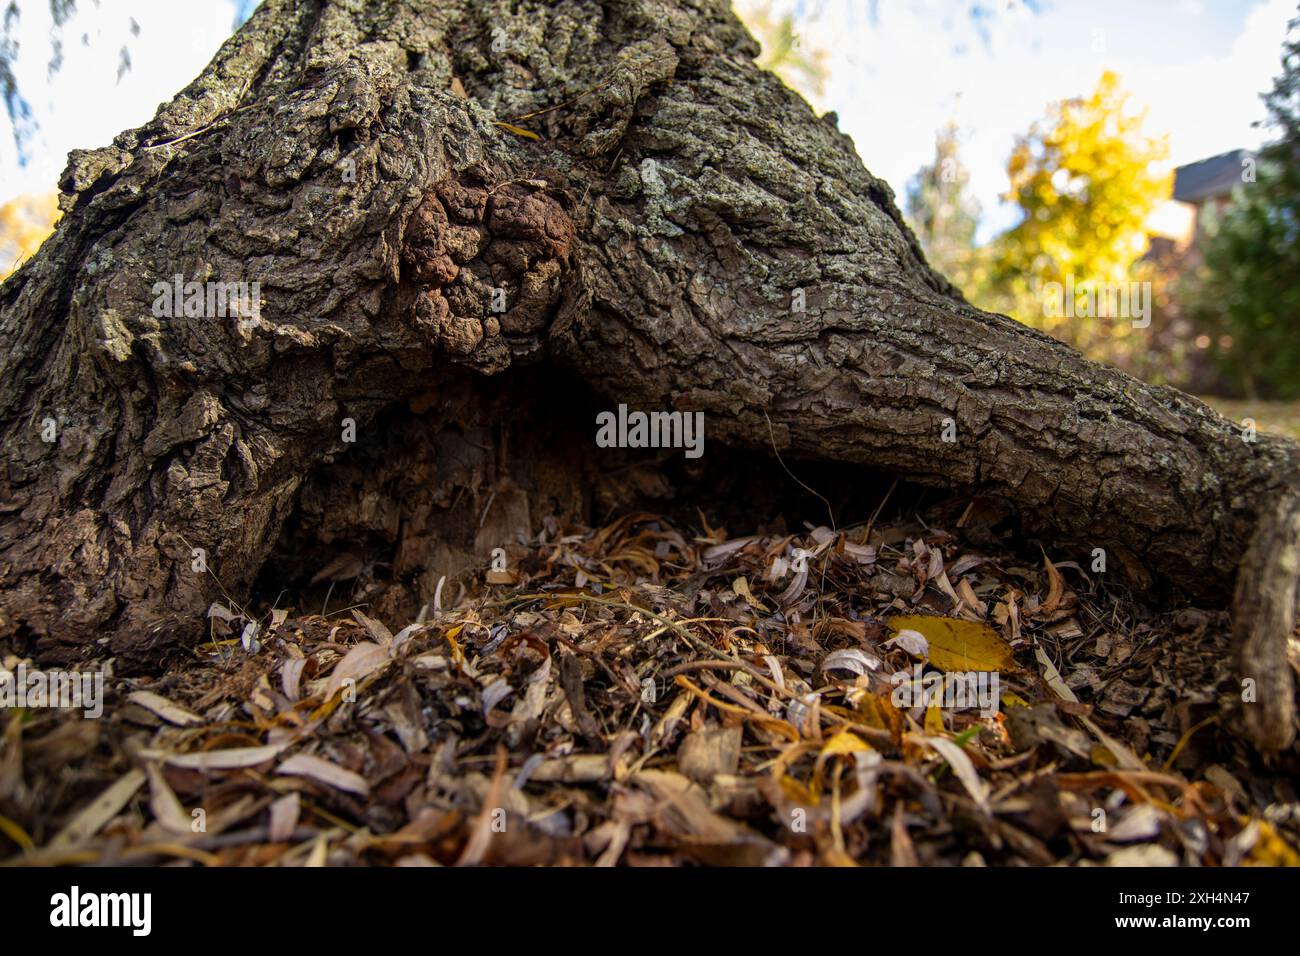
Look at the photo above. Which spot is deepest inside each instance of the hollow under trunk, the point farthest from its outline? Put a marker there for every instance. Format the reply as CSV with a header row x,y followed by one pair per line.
x,y
446,204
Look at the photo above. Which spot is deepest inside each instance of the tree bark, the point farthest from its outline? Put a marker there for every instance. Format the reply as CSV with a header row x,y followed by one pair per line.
x,y
663,219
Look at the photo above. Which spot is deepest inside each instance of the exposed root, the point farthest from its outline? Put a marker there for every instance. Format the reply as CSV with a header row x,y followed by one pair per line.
x,y
1264,621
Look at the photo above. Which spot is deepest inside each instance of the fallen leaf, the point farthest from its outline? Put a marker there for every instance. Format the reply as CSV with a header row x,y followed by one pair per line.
x,y
901,850
709,751
578,768
166,807
1053,677
376,628
230,759
99,811
517,130
850,659
1141,823
970,600
284,817
844,742
164,708
740,587
1055,588
1126,758
934,719
291,676
1271,850
961,766
1145,854
305,765
913,642
359,663
959,645
319,853
16,833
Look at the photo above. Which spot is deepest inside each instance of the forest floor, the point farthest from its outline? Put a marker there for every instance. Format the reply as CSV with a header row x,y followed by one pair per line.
x,y
643,695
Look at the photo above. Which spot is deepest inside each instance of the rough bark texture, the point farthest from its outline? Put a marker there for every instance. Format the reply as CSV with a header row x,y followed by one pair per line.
x,y
350,157
1267,604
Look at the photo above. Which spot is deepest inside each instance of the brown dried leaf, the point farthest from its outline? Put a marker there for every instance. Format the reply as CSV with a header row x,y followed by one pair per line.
x,y
305,765
99,811
358,664
164,708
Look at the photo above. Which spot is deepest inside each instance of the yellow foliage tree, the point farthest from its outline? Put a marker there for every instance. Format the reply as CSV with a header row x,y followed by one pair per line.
x,y
25,222
1086,180
803,70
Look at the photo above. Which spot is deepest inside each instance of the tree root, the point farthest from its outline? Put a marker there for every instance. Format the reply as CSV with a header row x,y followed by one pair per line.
x,y
1265,613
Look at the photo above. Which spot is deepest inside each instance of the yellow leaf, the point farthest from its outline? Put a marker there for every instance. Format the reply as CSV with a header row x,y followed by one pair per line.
x,y
934,719
877,711
518,130
845,742
795,791
959,645
841,745
740,587
1271,850
16,833
834,857
1103,757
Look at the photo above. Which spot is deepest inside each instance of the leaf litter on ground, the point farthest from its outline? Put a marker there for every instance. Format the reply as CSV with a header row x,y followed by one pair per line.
x,y
647,695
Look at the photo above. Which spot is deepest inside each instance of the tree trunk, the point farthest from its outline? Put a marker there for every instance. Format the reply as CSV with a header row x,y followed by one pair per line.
x,y
657,215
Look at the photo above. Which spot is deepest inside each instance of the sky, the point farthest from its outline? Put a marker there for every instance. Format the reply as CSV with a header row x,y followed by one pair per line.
x,y
85,104
899,70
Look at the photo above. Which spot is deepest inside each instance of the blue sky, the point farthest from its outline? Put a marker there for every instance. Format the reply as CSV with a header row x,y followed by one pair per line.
x,y
899,70
84,104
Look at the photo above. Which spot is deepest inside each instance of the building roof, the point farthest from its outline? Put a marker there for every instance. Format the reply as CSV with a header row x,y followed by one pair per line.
x,y
1208,178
